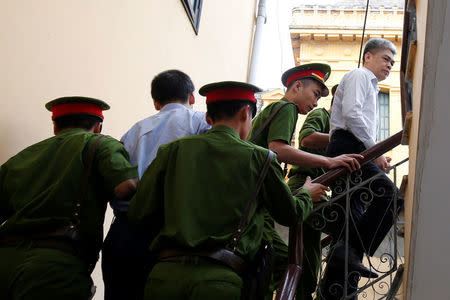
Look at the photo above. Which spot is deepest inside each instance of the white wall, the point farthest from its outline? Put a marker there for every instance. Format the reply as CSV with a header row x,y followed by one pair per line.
x,y
109,49
276,49
429,273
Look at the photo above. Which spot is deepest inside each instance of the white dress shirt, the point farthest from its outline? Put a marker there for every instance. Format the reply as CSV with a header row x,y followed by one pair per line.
x,y
172,122
142,141
355,106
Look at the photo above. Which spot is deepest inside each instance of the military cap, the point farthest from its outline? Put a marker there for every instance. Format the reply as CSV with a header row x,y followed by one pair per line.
x,y
76,105
333,89
229,90
316,71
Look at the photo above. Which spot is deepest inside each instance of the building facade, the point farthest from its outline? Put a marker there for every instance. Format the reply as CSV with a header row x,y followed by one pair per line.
x,y
331,34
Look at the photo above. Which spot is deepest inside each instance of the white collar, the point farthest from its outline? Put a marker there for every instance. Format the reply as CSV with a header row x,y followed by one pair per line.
x,y
372,78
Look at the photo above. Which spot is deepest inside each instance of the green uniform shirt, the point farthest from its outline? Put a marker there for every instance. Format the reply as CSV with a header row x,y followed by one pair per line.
x,y
194,192
40,186
281,127
317,120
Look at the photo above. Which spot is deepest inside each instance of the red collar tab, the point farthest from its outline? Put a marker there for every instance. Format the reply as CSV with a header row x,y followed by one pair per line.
x,y
303,73
230,94
76,108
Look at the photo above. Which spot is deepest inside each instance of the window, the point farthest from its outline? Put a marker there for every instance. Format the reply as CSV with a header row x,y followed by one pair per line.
x,y
193,9
383,116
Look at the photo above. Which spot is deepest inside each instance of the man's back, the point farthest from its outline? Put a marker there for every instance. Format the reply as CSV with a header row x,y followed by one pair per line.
x,y
216,174
142,141
41,188
41,185
172,122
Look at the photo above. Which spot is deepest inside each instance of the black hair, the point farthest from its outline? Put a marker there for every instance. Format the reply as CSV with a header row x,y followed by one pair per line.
x,y
305,82
171,85
83,121
225,110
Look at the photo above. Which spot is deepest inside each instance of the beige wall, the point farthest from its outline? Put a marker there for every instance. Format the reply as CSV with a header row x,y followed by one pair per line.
x,y
417,79
110,49
427,203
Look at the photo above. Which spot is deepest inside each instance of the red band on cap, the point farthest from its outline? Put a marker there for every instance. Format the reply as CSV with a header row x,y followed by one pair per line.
x,y
319,75
230,94
76,108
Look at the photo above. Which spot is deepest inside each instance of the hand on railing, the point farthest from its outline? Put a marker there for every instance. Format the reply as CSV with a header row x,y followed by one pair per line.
x,y
369,155
382,162
317,190
288,285
349,161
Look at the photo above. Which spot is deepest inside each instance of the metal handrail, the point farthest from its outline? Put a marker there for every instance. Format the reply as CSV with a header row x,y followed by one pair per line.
x,y
288,286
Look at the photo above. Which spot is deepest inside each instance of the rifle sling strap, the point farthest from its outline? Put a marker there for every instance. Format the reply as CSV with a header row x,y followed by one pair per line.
x,y
268,120
85,180
238,234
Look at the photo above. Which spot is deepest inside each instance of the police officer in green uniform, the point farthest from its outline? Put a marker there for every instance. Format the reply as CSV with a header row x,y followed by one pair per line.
x,y
305,85
52,209
193,196
313,138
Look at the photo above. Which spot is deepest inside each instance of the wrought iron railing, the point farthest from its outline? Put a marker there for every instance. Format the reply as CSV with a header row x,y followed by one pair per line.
x,y
388,256
383,262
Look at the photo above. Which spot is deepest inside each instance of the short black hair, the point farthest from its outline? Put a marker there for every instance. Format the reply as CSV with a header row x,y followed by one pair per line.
x,y
83,121
305,82
225,110
171,85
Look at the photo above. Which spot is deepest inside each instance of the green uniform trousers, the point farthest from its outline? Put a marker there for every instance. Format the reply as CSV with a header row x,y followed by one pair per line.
x,y
312,253
195,279
311,263
28,273
311,260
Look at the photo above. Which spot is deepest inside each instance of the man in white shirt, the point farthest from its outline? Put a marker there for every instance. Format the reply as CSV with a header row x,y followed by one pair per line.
x,y
353,128
126,261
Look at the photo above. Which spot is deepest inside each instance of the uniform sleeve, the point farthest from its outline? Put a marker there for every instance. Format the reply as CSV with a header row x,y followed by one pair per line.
x,y
285,208
315,122
146,206
113,162
283,124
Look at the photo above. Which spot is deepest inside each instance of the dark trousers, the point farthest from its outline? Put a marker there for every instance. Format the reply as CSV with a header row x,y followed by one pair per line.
x,y
193,279
28,272
371,214
126,261
371,206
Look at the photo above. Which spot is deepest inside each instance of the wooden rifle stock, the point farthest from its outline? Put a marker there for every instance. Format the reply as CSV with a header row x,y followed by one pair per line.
x,y
288,285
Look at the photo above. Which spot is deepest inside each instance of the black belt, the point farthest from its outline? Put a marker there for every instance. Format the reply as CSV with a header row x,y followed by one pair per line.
x,y
223,256
346,133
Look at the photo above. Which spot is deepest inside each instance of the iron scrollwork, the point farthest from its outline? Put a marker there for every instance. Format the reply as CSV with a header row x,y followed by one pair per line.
x,y
387,257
